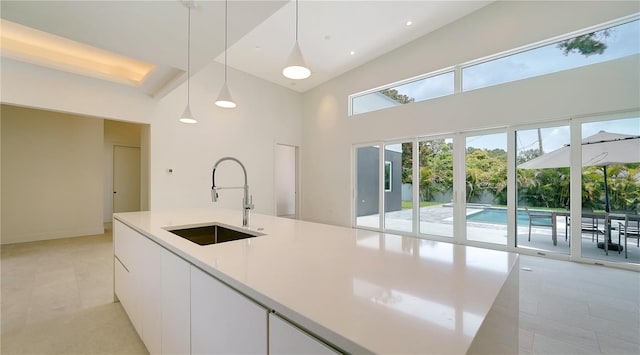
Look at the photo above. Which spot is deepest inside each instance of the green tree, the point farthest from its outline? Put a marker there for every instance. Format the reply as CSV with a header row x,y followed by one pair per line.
x,y
436,168
587,44
401,98
407,163
486,171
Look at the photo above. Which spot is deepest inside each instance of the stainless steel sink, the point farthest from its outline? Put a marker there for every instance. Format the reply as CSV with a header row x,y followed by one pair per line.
x,y
212,234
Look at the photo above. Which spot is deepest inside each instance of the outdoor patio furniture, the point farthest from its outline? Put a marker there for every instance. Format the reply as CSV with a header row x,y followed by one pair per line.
x,y
589,222
629,229
540,220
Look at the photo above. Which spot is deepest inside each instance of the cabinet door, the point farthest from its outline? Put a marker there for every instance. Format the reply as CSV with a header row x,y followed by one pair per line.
x,y
123,243
176,313
285,338
224,321
127,272
151,300
121,284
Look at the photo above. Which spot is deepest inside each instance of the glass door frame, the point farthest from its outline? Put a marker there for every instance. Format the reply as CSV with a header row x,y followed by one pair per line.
x,y
354,181
455,137
512,201
459,186
576,187
414,213
460,153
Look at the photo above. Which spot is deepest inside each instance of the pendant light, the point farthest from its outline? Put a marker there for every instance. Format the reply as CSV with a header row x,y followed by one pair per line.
x,y
187,117
224,99
296,67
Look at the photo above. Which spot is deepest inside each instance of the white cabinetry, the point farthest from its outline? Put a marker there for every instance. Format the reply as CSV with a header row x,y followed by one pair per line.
x,y
154,288
224,321
176,309
285,338
127,245
151,306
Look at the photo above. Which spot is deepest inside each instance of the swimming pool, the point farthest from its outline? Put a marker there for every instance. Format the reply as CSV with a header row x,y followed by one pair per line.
x,y
499,216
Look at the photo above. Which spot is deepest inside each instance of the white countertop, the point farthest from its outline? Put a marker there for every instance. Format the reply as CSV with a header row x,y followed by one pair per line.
x,y
359,290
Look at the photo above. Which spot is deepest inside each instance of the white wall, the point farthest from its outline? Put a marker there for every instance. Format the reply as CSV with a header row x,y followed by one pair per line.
x,y
266,114
29,85
50,188
329,134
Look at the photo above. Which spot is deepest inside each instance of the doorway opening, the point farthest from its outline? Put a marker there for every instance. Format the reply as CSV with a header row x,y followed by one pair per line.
x,y
126,179
286,180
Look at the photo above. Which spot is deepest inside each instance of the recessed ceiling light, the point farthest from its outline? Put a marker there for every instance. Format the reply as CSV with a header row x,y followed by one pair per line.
x,y
409,23
352,52
45,49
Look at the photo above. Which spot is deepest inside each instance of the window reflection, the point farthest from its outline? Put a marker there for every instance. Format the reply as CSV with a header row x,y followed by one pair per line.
x,y
442,252
489,260
432,312
424,249
441,315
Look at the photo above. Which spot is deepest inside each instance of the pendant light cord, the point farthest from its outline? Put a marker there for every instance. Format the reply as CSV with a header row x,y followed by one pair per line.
x,y
188,51
226,5
296,20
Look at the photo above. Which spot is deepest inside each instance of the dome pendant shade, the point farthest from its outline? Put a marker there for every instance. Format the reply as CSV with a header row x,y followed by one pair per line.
x,y
224,99
296,67
187,117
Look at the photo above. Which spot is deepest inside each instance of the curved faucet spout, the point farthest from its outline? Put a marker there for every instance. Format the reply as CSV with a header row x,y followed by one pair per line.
x,y
228,158
247,201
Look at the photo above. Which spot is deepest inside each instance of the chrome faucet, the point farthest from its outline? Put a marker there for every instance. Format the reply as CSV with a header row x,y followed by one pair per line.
x,y
247,201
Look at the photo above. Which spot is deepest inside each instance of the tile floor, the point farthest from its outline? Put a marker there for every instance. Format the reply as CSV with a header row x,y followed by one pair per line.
x,y
57,299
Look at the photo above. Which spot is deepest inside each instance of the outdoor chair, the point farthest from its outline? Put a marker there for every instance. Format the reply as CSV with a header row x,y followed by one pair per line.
x,y
629,230
538,219
590,223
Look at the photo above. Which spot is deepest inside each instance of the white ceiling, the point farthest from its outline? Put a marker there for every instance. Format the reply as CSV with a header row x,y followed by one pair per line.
x,y
261,33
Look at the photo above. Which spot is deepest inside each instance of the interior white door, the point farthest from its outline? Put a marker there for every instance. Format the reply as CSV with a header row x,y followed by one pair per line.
x,y
286,180
126,179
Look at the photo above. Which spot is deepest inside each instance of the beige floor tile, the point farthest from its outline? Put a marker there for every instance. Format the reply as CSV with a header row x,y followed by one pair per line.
x,y
546,345
57,298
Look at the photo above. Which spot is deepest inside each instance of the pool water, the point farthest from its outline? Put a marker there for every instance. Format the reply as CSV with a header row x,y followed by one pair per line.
x,y
499,216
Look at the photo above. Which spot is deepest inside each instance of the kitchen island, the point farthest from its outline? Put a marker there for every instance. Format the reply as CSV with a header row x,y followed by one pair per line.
x,y
347,290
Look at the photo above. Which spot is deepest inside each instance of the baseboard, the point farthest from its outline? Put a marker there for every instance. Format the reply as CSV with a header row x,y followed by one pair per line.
x,y
24,238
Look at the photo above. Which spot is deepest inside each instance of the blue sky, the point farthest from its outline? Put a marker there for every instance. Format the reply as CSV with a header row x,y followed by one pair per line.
x,y
623,40
554,137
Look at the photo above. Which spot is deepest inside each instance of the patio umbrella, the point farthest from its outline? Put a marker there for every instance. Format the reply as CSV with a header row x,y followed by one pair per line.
x,y
601,149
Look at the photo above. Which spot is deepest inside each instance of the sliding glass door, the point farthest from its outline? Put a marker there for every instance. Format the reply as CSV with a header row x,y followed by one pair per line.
x,y
486,188
398,187
436,187
611,190
368,186
543,189
576,188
